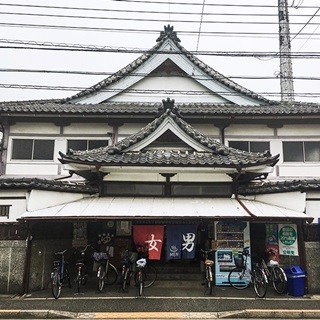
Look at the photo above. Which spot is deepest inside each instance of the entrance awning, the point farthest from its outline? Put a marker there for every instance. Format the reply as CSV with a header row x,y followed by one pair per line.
x,y
152,207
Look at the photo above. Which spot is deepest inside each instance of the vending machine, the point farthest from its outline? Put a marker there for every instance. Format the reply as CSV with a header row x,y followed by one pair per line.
x,y
230,238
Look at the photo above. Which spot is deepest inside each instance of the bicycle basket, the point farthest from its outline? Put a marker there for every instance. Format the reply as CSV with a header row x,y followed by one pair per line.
x,y
239,261
98,256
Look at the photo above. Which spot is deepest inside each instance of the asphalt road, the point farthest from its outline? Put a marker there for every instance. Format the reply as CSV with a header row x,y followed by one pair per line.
x,y
187,300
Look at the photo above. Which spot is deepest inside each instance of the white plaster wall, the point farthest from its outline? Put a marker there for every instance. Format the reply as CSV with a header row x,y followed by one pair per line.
x,y
83,129
248,132
151,177
32,168
35,128
18,206
313,210
169,84
207,129
311,130
299,170
289,200
45,199
131,128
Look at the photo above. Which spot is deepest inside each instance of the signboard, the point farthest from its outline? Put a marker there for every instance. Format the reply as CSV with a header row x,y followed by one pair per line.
x,y
288,239
181,241
150,236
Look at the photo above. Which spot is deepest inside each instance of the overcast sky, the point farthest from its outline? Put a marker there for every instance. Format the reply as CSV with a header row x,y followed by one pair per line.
x,y
235,26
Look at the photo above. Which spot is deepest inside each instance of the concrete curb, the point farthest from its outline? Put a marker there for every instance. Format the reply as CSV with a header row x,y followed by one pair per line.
x,y
239,314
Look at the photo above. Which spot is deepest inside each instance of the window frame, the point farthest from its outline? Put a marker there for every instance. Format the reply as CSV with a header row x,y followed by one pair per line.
x,y
304,155
5,210
249,142
33,140
87,143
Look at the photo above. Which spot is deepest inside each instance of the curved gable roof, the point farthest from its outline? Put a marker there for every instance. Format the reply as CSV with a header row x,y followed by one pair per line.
x,y
168,35
213,153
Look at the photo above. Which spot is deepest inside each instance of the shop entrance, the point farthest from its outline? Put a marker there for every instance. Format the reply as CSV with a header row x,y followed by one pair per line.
x,y
258,241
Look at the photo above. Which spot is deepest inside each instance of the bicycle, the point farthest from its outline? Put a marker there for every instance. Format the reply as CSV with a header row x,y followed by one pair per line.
x,y
140,275
106,271
241,276
149,272
128,259
82,272
208,270
276,276
60,273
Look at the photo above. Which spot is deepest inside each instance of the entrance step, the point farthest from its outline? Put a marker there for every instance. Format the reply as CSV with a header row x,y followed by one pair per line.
x,y
178,283
182,272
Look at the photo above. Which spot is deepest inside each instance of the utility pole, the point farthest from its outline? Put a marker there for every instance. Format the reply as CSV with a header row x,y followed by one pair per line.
x,y
286,75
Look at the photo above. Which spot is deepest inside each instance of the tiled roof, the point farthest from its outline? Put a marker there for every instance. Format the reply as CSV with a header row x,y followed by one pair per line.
x,y
219,155
45,184
168,33
135,108
266,186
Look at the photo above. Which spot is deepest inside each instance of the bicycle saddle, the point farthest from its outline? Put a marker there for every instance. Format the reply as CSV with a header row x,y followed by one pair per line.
x,y
209,262
141,263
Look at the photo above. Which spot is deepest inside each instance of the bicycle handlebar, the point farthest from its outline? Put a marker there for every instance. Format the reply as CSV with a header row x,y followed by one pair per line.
x,y
61,252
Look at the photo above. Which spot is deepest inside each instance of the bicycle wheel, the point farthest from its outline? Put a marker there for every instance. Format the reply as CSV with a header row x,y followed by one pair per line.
x,y
79,279
67,276
124,280
140,283
84,276
210,280
279,280
259,283
55,283
149,275
238,279
111,274
101,277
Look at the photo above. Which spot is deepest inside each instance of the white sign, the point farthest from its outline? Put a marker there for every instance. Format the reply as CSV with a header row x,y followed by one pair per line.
x,y
288,239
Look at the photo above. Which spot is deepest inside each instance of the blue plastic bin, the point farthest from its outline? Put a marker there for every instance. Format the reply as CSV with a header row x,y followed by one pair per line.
x,y
296,281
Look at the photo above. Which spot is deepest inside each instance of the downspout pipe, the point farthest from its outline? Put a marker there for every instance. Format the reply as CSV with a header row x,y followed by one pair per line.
x,y
27,261
235,184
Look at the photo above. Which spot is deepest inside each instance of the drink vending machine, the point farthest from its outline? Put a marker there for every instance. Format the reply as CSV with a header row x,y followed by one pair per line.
x,y
230,237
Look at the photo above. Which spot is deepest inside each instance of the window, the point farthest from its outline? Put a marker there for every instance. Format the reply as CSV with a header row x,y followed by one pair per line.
x,y
86,144
4,210
32,149
301,151
251,146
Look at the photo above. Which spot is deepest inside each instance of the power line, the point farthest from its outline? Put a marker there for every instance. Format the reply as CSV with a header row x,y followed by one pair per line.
x,y
150,11
82,48
134,74
144,91
154,20
124,30
155,2
307,23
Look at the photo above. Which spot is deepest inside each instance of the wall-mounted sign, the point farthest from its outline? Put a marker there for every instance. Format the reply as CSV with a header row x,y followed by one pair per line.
x,y
79,234
288,239
124,228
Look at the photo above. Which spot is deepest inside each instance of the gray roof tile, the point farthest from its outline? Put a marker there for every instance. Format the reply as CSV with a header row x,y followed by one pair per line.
x,y
220,155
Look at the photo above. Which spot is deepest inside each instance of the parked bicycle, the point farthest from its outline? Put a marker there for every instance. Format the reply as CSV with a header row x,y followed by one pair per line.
x,y
60,274
208,263
82,272
242,276
139,276
128,259
106,271
276,276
